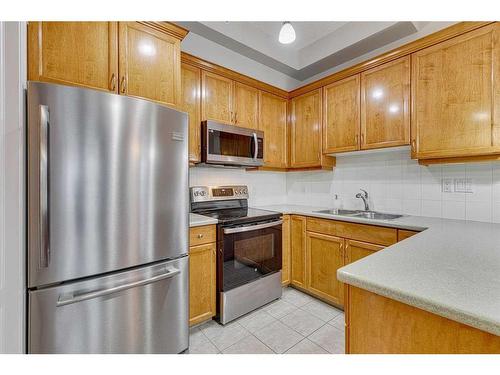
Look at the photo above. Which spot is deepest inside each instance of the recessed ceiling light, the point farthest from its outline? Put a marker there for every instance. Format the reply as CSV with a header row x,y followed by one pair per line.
x,y
287,33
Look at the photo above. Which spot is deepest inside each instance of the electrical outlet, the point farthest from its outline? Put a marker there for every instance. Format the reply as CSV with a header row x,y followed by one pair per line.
x,y
447,185
463,185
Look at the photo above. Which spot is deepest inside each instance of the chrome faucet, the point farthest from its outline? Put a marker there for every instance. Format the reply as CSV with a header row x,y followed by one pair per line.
x,y
364,196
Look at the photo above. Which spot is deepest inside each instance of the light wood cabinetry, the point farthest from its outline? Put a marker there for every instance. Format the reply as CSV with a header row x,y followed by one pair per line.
x,y
286,252
380,325
246,106
298,248
216,98
202,274
273,122
355,250
385,102
341,115
324,255
150,63
404,234
74,53
191,103
456,96
305,130
133,58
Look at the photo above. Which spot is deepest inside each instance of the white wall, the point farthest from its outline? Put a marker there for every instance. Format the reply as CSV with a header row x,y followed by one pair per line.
x,y
263,187
12,232
398,184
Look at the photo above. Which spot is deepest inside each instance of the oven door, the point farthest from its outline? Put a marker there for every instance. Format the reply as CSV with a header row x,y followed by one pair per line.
x,y
232,145
249,252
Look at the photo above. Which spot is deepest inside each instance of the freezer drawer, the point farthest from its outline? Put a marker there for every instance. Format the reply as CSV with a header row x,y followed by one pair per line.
x,y
144,310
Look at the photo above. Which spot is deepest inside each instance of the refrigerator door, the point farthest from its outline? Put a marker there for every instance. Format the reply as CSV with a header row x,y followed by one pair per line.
x,y
108,183
144,310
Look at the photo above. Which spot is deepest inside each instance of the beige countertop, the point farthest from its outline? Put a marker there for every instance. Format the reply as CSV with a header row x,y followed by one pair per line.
x,y
451,268
196,220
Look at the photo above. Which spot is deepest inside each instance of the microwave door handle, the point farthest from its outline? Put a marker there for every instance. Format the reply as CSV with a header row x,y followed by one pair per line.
x,y
249,228
68,299
44,188
256,144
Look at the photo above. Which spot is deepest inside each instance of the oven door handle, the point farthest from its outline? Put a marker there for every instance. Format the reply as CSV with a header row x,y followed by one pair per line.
x,y
249,228
256,146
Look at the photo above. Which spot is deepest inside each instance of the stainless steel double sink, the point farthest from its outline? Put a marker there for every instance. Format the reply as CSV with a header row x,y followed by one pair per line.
x,y
361,213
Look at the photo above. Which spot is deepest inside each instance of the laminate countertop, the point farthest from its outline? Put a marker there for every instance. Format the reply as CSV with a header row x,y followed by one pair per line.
x,y
196,220
451,268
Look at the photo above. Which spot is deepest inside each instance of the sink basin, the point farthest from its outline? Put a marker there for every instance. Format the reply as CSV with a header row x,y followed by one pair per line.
x,y
339,212
377,215
365,214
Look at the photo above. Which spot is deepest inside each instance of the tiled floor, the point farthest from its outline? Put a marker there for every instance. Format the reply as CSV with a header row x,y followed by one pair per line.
x,y
296,324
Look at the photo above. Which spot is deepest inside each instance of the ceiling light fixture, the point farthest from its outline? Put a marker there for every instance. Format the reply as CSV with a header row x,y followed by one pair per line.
x,y
287,33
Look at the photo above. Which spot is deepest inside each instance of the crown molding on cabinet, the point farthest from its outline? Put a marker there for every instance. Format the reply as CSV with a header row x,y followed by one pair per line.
x,y
167,27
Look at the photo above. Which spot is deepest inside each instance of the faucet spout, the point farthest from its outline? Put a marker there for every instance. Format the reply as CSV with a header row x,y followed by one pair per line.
x,y
364,197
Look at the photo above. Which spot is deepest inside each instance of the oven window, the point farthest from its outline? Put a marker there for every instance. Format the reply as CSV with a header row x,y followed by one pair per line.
x,y
250,255
230,144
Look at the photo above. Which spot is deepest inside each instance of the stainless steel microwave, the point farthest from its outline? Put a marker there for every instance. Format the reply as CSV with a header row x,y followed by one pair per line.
x,y
231,145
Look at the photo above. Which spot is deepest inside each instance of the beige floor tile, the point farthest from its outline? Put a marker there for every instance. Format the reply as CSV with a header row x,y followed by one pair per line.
x,y
296,297
329,338
249,345
306,347
302,321
321,310
224,336
338,322
280,308
200,344
256,320
278,337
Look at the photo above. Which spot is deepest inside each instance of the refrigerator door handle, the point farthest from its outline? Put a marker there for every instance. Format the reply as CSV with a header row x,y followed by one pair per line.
x,y
44,187
69,298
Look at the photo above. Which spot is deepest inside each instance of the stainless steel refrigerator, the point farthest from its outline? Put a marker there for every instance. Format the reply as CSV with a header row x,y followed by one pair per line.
x,y
107,223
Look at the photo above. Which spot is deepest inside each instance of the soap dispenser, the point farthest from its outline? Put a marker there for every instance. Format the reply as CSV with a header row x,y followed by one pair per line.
x,y
337,203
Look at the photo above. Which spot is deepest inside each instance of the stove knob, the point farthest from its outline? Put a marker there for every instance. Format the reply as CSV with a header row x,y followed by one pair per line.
x,y
203,193
245,191
196,193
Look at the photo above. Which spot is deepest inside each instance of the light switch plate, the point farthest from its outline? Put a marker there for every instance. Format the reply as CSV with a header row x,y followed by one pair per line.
x,y
447,185
463,185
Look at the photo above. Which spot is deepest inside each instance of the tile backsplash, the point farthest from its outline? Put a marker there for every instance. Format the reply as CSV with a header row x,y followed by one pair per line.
x,y
394,182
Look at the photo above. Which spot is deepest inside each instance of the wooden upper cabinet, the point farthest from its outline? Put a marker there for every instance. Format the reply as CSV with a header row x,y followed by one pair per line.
x,y
74,53
298,248
324,256
341,115
456,96
355,250
305,137
150,63
246,106
190,103
216,98
385,102
273,123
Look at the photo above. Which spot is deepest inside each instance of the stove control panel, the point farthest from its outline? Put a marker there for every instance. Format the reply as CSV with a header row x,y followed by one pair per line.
x,y
217,193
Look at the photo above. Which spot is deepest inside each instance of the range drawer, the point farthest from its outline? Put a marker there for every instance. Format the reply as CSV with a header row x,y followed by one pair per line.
x,y
202,235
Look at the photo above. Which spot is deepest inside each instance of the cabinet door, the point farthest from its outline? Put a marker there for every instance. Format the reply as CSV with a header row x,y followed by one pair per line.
x,y
74,53
305,137
246,106
286,256
150,63
201,283
455,96
341,115
191,103
216,98
298,248
324,256
274,125
356,250
385,99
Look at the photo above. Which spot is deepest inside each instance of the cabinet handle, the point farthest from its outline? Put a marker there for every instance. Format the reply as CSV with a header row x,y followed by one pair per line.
x,y
123,85
235,117
413,143
362,139
200,235
113,82
356,138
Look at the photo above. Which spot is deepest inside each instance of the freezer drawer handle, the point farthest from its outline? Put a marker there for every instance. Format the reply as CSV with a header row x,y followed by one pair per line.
x,y
249,228
69,298
44,187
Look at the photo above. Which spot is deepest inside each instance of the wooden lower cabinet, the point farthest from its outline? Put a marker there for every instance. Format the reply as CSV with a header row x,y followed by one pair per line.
x,y
202,274
380,325
355,250
297,247
324,256
286,252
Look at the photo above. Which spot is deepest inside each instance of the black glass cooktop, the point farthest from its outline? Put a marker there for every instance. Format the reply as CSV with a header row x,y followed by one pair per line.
x,y
240,215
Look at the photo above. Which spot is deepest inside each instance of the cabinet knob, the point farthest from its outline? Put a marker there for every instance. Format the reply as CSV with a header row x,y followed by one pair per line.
x,y
113,82
413,143
200,235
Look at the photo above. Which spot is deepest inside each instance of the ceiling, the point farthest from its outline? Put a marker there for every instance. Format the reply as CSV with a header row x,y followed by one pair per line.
x,y
319,45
